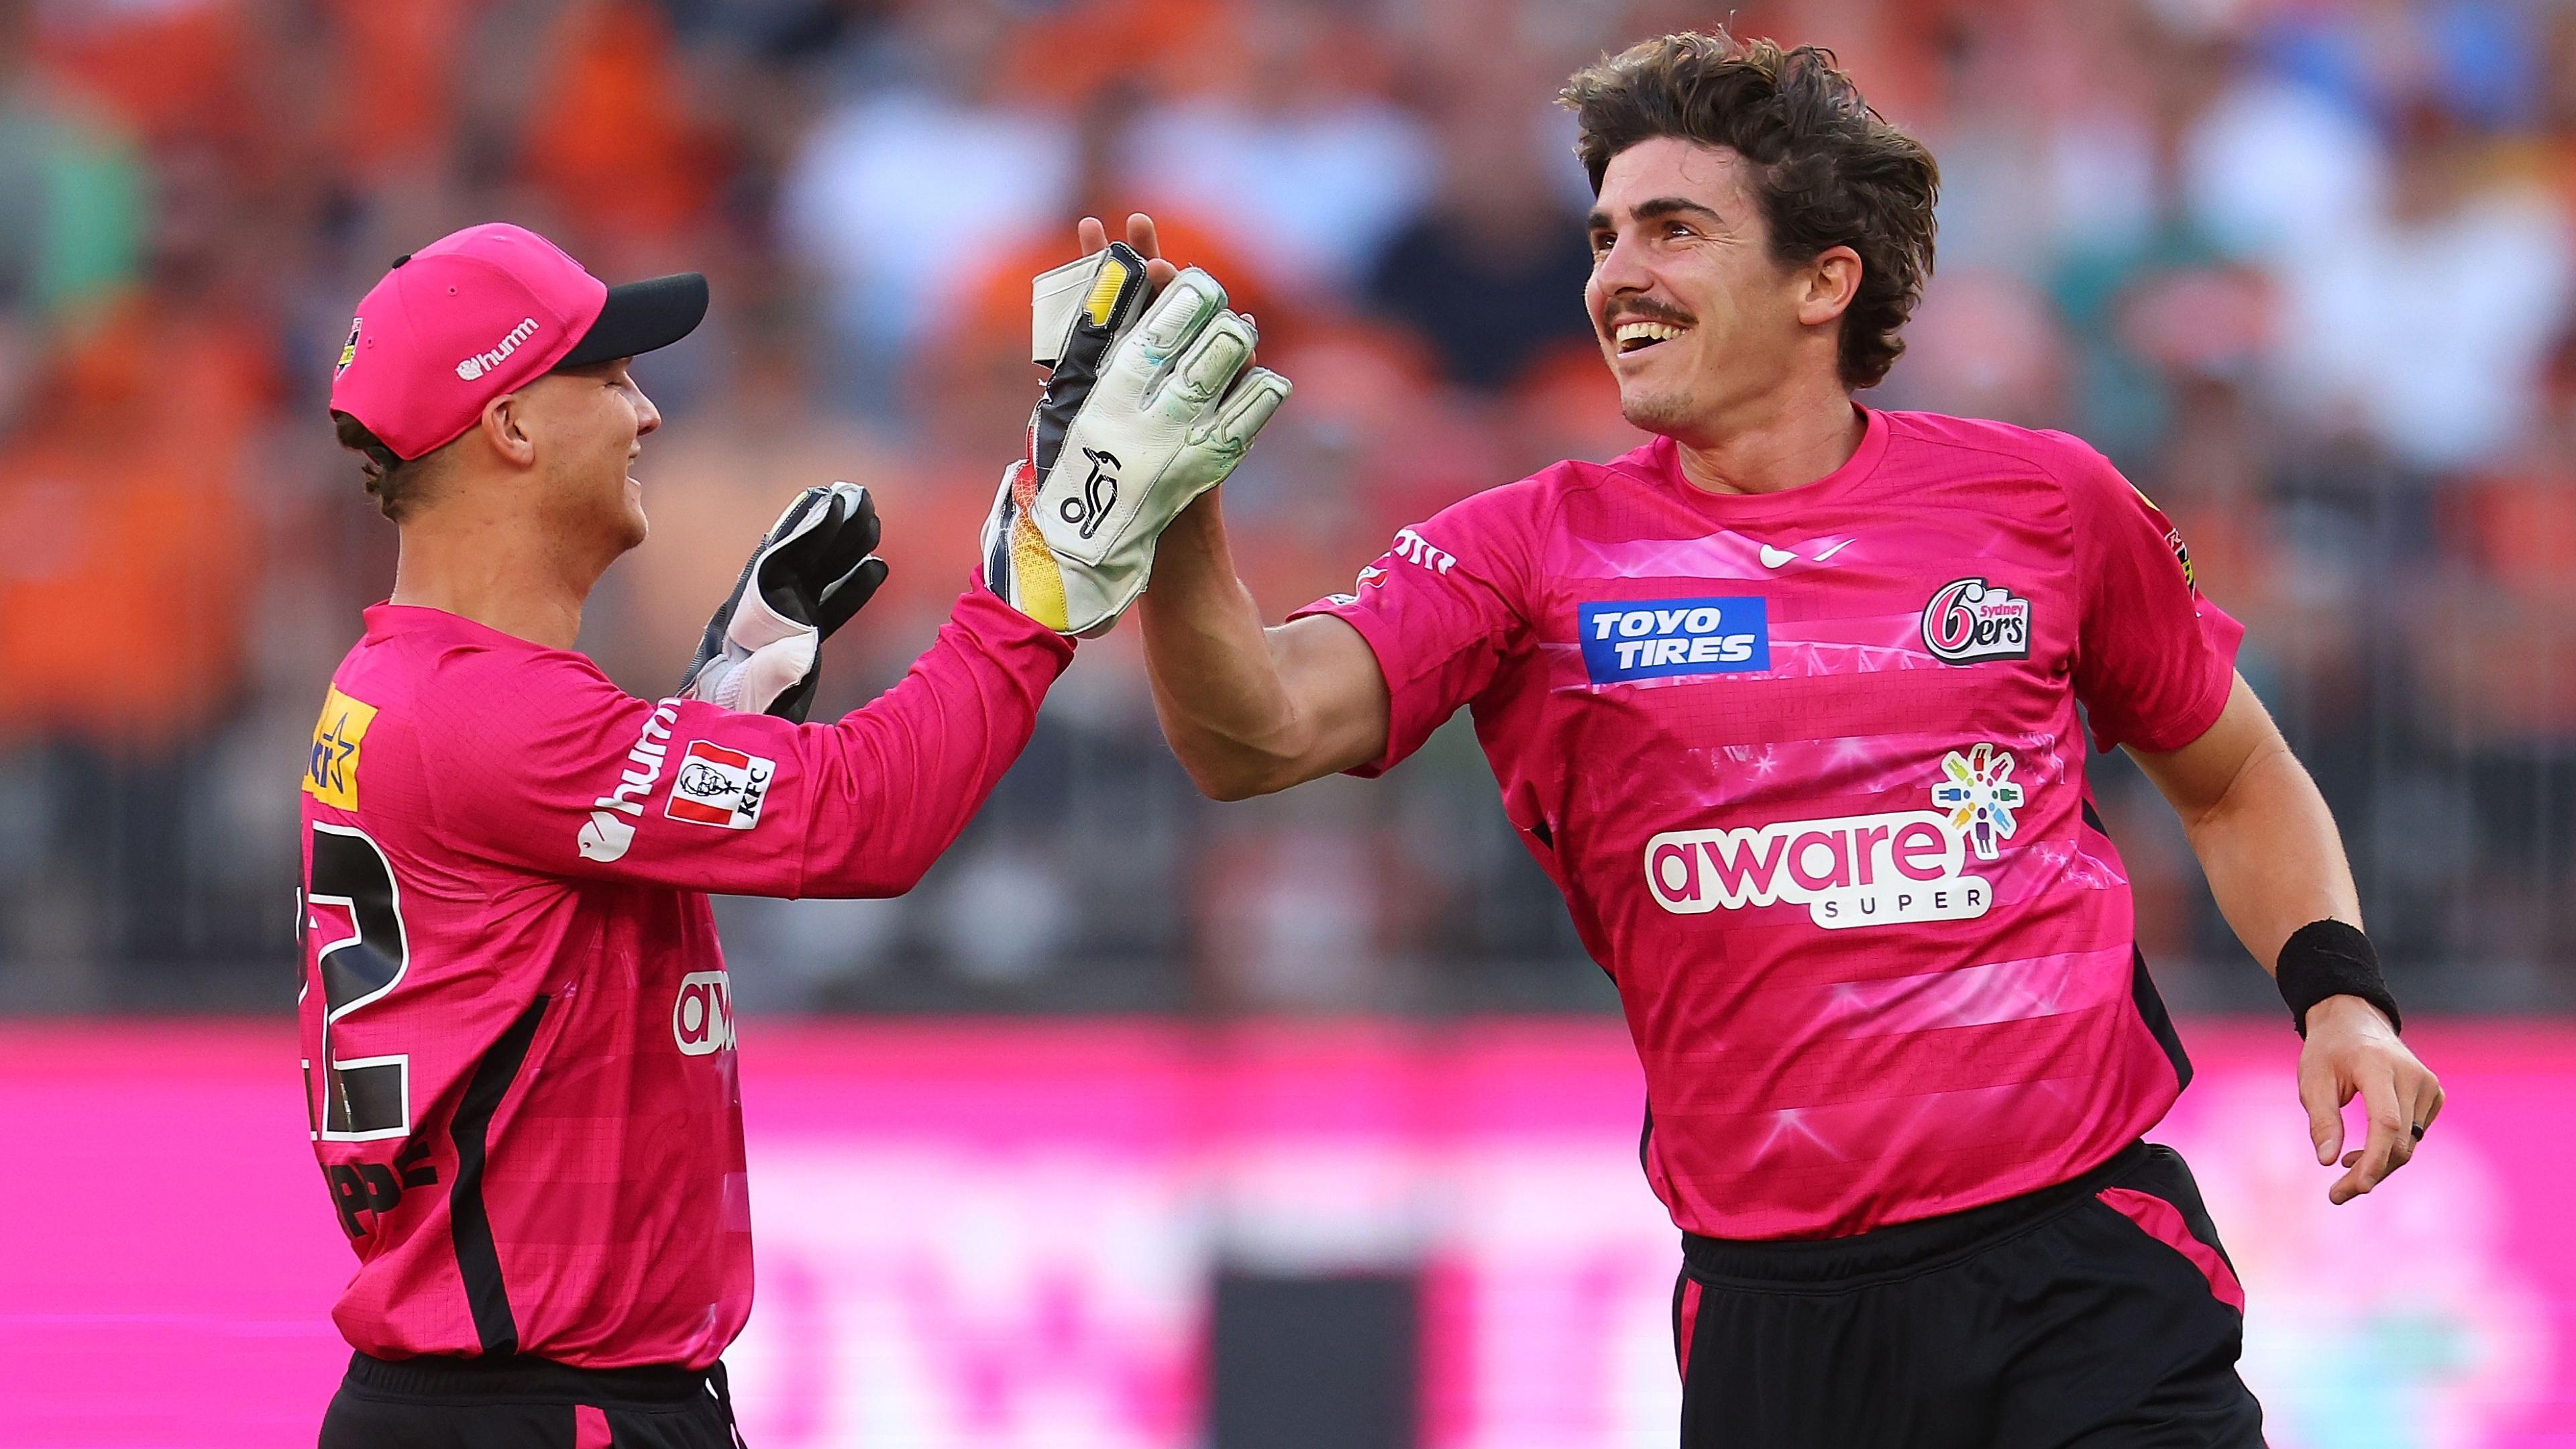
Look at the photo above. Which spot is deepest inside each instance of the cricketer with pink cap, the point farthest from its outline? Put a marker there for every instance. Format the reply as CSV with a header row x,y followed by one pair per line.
x,y
520,1067
485,311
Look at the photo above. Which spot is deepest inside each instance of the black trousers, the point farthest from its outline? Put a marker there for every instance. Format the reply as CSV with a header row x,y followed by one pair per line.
x,y
526,1403
2099,1314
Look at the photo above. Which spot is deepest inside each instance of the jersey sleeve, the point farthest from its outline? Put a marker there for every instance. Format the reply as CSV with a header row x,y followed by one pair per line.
x,y
2154,659
546,765
1441,609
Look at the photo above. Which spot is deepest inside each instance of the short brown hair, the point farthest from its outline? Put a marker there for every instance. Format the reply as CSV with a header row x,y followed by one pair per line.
x,y
1829,170
394,482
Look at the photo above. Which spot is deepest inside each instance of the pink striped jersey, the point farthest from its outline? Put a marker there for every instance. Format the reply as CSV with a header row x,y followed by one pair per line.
x,y
517,1026
1808,769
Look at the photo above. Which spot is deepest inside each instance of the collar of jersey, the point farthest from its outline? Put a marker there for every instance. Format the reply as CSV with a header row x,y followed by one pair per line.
x,y
385,619
1663,467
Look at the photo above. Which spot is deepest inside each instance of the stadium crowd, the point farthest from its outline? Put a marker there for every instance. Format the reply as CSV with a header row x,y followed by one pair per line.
x,y
2305,268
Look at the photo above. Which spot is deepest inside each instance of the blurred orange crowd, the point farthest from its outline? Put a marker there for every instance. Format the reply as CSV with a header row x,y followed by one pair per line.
x,y
2306,268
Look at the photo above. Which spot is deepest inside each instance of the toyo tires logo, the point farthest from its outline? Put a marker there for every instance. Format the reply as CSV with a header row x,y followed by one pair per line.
x,y
1851,870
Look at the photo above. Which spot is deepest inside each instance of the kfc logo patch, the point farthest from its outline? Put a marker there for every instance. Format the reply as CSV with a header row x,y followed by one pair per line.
x,y
719,787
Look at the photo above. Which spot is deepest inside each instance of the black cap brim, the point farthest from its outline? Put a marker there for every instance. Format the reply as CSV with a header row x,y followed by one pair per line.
x,y
641,316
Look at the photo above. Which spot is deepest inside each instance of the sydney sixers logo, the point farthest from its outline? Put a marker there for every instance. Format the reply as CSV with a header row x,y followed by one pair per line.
x,y
1971,619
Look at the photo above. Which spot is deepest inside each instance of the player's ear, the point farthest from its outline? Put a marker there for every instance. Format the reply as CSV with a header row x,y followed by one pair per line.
x,y
505,426
1831,281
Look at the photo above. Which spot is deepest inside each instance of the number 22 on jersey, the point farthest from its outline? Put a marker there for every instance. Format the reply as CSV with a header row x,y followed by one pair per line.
x,y
359,961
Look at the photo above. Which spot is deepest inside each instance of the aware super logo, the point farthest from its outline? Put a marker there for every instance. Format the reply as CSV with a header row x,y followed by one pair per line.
x,y
702,1014
1852,870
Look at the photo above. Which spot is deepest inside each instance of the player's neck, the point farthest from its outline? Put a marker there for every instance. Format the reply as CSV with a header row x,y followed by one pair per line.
x,y
502,574
1782,440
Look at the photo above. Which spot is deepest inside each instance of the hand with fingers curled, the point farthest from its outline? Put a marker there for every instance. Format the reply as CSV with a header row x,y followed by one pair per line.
x,y
2353,1051
762,652
1151,401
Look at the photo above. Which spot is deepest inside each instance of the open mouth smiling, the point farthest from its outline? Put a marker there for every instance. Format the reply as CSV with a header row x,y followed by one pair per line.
x,y
1637,334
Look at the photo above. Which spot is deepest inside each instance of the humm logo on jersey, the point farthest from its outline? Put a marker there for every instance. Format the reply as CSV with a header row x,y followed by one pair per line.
x,y
1629,639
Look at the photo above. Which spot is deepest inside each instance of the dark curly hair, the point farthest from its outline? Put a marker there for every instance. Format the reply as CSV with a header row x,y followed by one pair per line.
x,y
1829,171
391,480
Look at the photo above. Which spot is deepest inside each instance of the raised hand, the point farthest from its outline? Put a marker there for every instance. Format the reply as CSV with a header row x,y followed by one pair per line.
x,y
1147,407
762,652
1093,234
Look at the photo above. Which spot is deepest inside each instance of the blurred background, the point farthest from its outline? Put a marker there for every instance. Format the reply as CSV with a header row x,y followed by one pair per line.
x,y
2306,269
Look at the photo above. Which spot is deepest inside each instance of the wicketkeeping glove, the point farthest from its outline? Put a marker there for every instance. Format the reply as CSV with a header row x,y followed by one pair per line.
x,y
762,653
1142,414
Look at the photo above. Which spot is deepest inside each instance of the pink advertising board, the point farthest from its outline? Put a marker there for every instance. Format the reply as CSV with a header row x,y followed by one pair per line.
x,y
1002,1234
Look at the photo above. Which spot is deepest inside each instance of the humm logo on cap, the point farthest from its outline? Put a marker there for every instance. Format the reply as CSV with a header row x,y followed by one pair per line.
x,y
483,362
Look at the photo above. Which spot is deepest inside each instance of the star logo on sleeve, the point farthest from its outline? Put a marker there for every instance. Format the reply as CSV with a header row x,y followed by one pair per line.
x,y
331,771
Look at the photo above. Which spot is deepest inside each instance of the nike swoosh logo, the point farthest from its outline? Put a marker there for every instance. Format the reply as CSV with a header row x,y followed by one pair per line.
x,y
1772,558
1824,554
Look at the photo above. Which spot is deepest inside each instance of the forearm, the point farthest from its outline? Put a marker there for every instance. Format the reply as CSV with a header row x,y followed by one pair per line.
x,y
1250,710
1217,685
905,773
2269,848
2272,855
2275,863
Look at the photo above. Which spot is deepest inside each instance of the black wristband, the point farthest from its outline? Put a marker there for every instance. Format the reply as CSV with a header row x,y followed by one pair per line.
x,y
2331,958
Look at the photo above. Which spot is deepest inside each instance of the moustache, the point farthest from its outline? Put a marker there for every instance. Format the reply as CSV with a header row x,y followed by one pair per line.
x,y
1646,311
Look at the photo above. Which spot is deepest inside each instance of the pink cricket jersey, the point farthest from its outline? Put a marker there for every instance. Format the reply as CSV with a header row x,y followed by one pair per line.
x,y
1807,767
518,1038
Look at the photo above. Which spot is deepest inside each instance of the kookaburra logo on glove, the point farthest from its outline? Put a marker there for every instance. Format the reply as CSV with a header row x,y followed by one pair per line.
x,y
1099,493
1158,402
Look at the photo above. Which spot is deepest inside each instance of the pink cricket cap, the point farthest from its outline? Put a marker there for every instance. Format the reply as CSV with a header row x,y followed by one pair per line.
x,y
485,311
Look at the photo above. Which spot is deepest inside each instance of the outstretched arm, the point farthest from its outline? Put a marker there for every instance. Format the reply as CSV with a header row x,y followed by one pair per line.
x,y
2274,861
556,770
895,782
1251,710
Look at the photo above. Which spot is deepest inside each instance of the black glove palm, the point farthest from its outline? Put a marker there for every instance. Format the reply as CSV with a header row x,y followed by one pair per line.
x,y
816,567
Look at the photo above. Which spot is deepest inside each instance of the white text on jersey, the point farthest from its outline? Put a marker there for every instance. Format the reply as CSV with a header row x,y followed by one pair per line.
x,y
1851,870
605,837
1413,548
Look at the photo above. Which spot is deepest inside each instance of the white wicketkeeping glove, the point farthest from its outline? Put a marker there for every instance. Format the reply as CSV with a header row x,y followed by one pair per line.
x,y
1141,415
762,652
